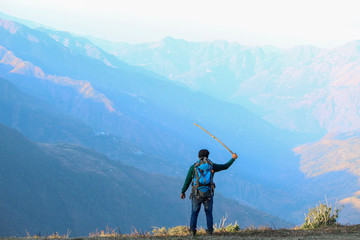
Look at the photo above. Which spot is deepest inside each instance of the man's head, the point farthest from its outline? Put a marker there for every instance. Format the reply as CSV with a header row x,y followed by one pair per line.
x,y
203,153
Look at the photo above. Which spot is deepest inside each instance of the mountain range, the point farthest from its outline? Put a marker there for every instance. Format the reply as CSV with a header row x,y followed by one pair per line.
x,y
64,90
131,104
305,88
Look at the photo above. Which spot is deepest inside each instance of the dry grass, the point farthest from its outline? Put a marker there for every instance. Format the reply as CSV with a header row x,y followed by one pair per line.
x,y
55,235
109,232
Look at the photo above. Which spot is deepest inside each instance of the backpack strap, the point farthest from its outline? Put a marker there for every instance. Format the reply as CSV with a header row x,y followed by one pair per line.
x,y
195,187
212,177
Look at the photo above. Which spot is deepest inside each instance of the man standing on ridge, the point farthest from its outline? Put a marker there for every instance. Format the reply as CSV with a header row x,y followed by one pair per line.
x,y
201,175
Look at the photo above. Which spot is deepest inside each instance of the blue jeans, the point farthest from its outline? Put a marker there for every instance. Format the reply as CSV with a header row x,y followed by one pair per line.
x,y
208,207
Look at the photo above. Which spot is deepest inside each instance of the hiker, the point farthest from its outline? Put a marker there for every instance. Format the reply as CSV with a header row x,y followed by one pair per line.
x,y
201,175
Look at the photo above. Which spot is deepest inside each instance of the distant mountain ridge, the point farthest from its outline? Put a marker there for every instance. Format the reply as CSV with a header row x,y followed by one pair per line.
x,y
39,121
303,88
28,69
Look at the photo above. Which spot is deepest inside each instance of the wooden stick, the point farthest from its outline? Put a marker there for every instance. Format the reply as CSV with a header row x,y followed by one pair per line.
x,y
215,138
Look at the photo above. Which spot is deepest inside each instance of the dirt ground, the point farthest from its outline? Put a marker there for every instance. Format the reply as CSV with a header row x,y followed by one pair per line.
x,y
336,232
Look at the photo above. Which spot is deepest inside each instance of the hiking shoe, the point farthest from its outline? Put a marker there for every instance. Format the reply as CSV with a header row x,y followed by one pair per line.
x,y
209,232
192,232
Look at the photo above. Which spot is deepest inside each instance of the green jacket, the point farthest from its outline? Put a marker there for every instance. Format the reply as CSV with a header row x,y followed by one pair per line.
x,y
216,168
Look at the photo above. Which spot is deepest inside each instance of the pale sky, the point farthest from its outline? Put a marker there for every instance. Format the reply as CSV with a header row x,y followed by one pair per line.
x,y
282,23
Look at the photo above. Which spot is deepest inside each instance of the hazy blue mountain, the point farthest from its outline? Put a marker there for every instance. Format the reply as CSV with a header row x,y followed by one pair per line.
x,y
157,115
215,68
39,121
47,188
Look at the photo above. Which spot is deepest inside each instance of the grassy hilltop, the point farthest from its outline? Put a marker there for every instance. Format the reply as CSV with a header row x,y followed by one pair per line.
x,y
320,223
330,232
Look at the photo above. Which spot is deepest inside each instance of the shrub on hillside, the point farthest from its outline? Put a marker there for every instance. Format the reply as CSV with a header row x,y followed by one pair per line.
x,y
321,215
232,228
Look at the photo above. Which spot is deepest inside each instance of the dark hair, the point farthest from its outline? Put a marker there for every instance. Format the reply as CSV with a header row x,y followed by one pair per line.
x,y
203,153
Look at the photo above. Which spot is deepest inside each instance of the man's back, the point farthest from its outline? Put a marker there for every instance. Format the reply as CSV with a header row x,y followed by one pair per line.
x,y
203,197
216,167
